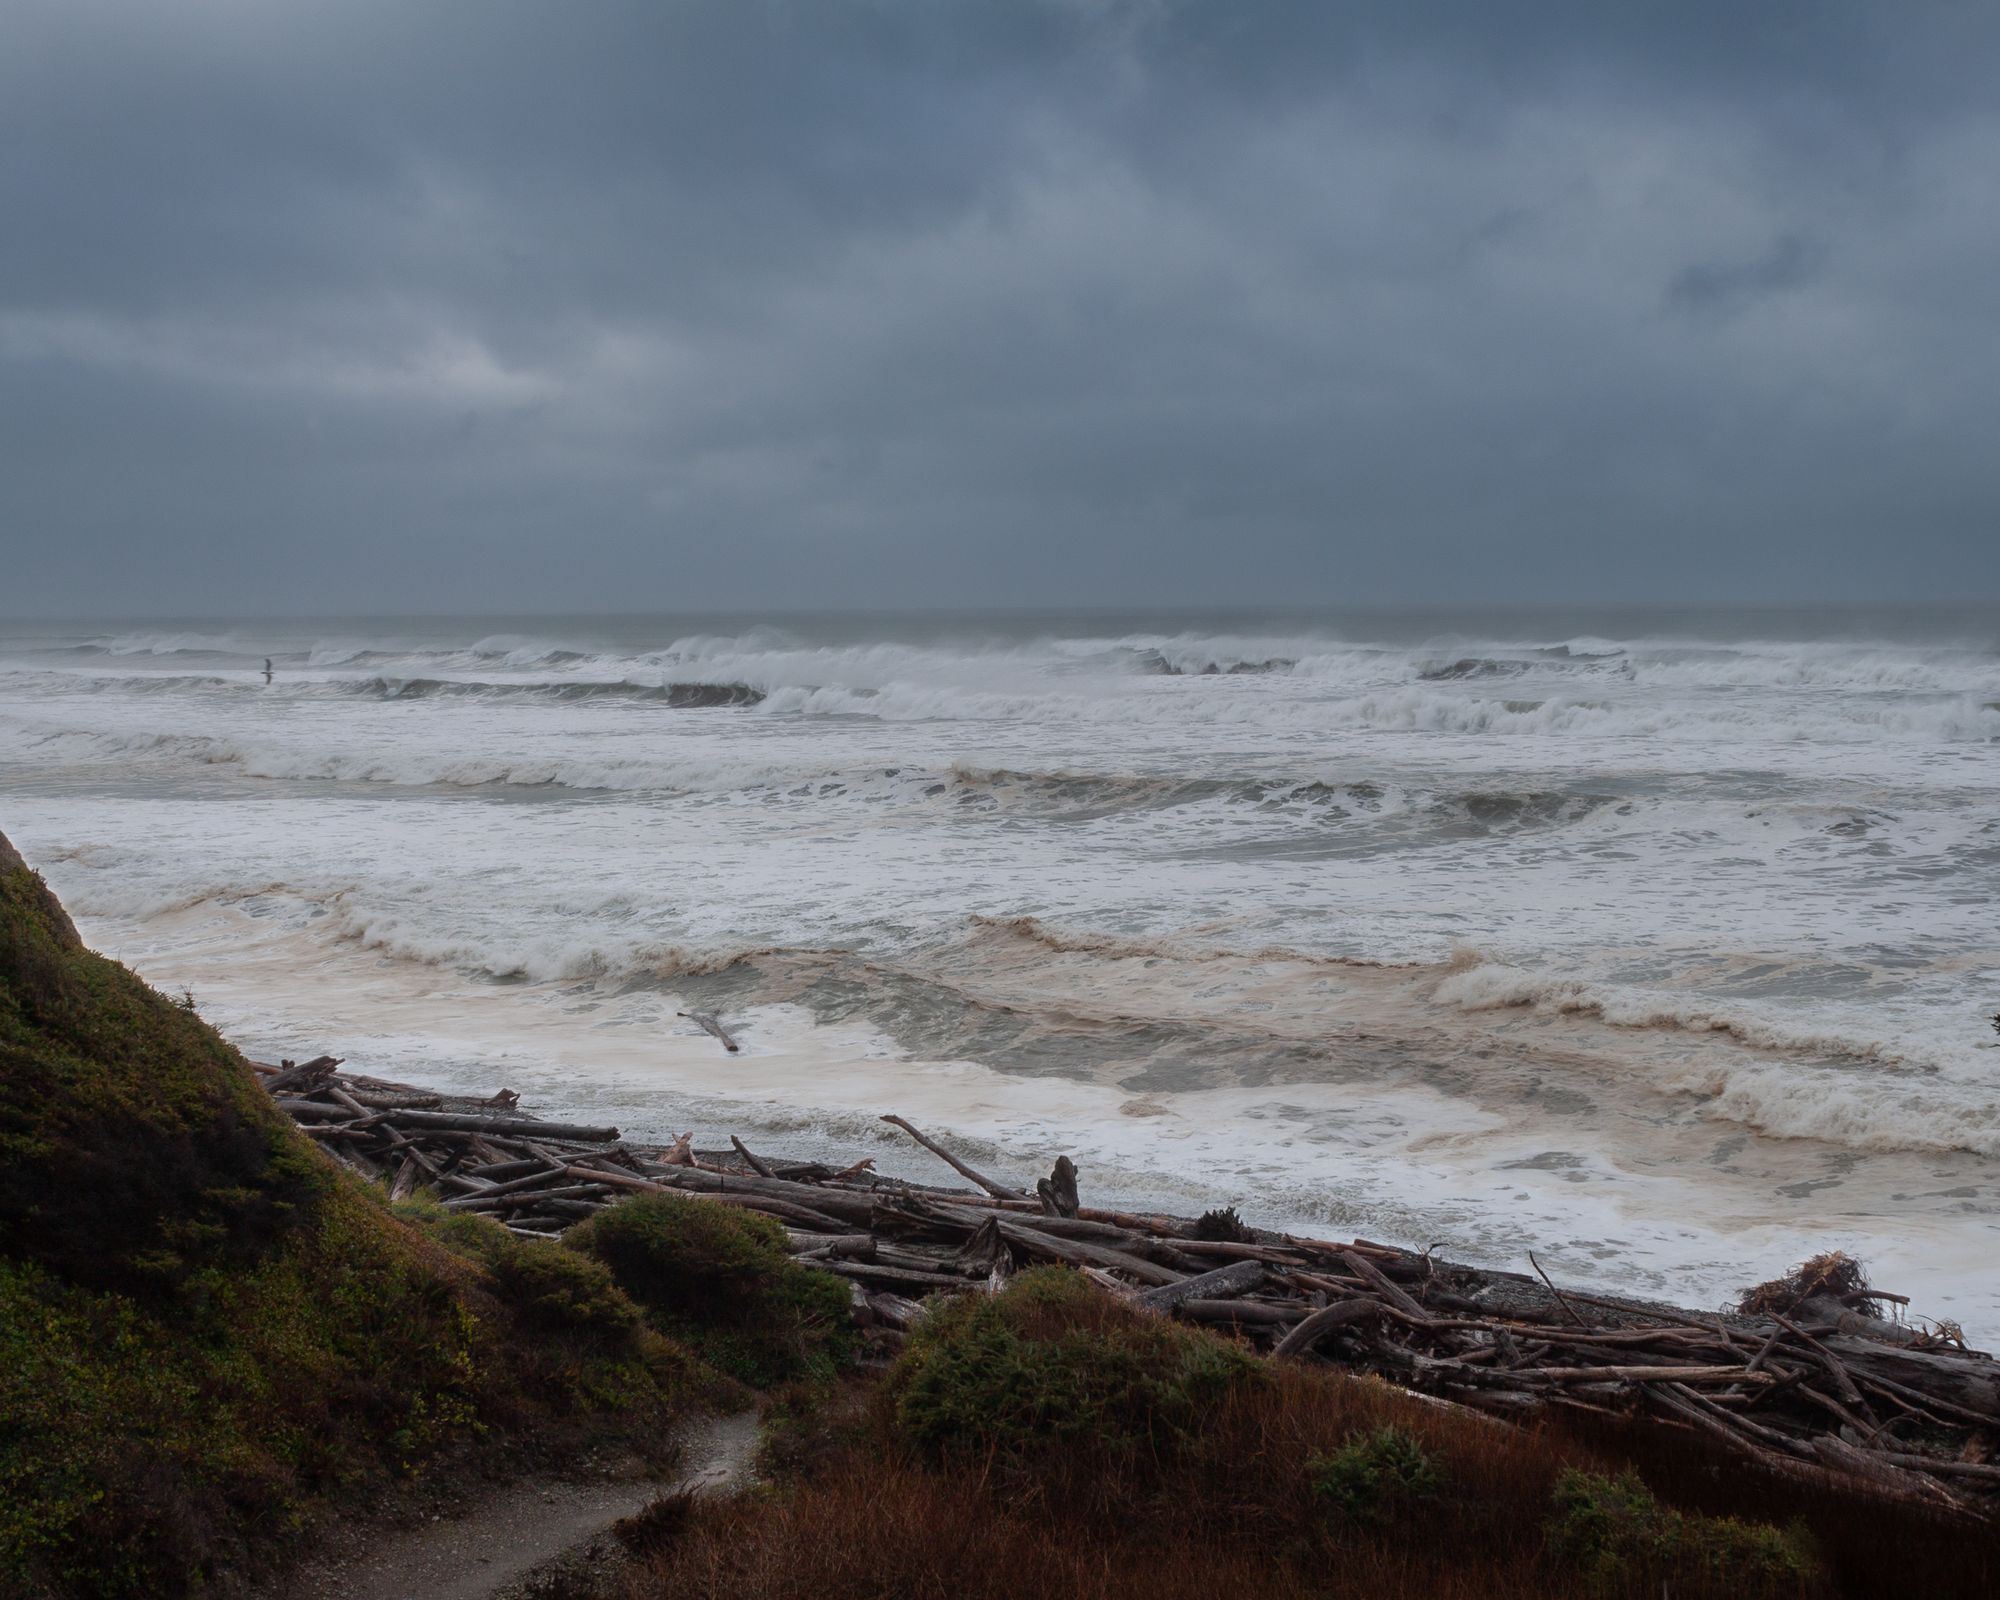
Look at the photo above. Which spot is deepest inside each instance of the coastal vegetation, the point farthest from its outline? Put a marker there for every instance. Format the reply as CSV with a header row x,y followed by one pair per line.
x,y
1051,1440
210,1336
720,1279
214,1339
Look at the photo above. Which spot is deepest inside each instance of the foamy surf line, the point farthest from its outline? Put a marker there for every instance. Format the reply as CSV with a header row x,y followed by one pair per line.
x,y
1408,1164
1484,927
1211,1149
1754,1078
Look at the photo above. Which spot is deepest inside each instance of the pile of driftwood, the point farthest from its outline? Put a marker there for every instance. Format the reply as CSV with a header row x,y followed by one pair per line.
x,y
1807,1377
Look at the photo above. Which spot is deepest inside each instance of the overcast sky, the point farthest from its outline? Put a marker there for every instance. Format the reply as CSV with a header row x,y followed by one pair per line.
x,y
393,305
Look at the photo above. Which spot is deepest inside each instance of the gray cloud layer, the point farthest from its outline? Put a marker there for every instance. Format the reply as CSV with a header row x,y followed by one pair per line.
x,y
471,304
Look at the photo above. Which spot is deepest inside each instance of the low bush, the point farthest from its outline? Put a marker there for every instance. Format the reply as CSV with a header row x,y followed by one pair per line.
x,y
550,1289
1375,1476
1622,1540
1040,1368
719,1278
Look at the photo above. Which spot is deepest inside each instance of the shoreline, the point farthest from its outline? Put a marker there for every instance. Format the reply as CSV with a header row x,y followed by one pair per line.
x,y
1485,1340
811,1090
1409,1160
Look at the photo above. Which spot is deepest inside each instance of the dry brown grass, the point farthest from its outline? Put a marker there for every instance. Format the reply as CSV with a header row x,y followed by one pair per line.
x,y
867,1509
881,1528
870,1521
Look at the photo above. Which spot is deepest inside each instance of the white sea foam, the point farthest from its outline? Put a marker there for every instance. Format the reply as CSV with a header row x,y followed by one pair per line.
x,y
1186,887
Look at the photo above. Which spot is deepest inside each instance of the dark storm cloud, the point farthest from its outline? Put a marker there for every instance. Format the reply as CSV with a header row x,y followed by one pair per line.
x,y
1712,285
486,304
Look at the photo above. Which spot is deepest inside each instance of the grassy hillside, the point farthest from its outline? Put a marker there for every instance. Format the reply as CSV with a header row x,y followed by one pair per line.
x,y
1052,1441
208,1334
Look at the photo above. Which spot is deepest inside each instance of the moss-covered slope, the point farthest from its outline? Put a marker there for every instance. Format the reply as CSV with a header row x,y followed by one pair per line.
x,y
208,1333
135,1146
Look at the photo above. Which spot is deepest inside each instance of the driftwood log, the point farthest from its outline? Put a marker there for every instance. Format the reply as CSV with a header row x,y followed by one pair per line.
x,y
706,1021
1057,1191
1829,1385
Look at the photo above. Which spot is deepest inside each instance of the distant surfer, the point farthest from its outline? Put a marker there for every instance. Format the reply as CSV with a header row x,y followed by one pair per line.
x,y
267,672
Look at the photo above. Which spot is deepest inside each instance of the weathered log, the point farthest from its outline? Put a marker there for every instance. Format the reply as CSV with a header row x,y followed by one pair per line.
x,y
1872,1466
987,1251
1963,1380
526,1199
314,1111
1365,1269
548,1175
618,1180
1084,1252
761,1168
1324,1321
340,1097
317,1070
1231,1250
1239,1277
998,1190
352,1158
877,1272
395,1099
897,1312
1259,1313
474,1123
851,1206
706,1021
500,1171
573,1209
337,1133
783,1210
828,1243
1987,1471
1641,1374
1057,1191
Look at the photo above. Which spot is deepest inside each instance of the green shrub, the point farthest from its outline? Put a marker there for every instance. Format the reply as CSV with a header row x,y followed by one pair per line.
x,y
1621,1539
558,1290
549,1289
718,1277
1043,1365
1374,1476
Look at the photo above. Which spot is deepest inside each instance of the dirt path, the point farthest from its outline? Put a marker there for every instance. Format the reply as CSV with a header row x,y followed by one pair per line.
x,y
504,1538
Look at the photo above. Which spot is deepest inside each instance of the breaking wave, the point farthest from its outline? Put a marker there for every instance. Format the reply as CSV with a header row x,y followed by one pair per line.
x,y
679,696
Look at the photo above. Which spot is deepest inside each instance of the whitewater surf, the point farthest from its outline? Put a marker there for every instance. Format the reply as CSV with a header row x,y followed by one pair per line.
x,y
1660,944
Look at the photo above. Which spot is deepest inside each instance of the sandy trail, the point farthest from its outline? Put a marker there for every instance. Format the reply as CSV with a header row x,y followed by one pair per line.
x,y
506,1536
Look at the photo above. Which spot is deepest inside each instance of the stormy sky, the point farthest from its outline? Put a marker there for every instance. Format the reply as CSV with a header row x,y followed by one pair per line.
x,y
470,305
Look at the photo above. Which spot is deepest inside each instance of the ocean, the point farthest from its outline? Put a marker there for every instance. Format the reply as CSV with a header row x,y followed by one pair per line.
x,y
1660,944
